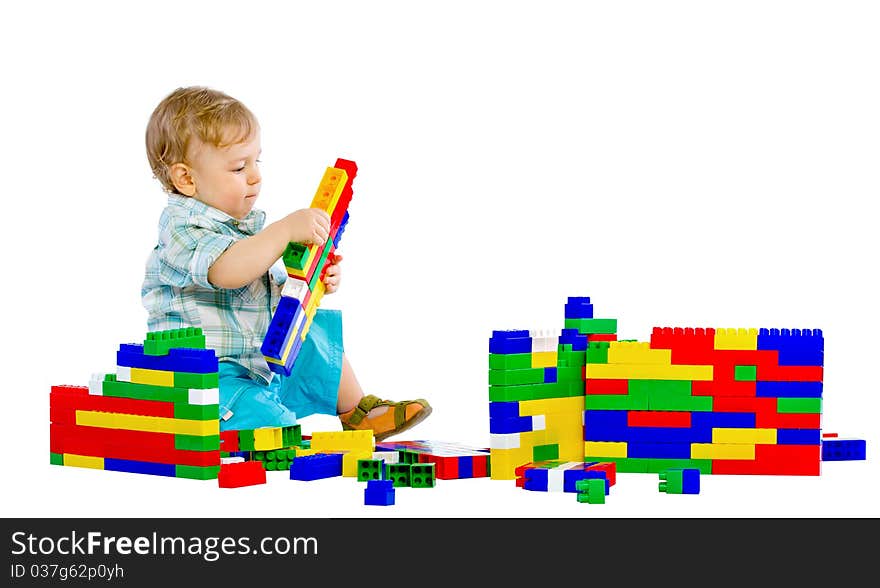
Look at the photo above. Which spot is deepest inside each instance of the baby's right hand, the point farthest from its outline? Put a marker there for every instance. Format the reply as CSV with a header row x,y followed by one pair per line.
x,y
309,225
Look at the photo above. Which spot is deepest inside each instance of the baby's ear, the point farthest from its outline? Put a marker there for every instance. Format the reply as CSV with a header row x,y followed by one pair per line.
x,y
182,179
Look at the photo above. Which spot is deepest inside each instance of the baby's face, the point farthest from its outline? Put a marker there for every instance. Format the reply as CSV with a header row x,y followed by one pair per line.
x,y
227,178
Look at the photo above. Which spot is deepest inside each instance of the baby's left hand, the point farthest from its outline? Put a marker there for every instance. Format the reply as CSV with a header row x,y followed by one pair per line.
x,y
332,274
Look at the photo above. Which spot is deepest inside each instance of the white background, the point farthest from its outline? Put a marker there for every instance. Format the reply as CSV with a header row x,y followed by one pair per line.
x,y
683,163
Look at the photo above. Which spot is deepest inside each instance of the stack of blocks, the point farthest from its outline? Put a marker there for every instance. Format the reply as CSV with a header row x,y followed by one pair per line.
x,y
158,414
305,264
274,447
451,460
723,401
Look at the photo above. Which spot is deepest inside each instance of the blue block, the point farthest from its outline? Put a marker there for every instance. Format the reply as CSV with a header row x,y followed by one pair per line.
x,y
605,425
730,420
570,478
834,449
578,307
550,375
690,481
178,359
466,466
140,467
669,435
798,436
342,224
379,493
574,338
316,466
281,327
511,425
506,342
788,389
795,346
503,410
659,450
536,479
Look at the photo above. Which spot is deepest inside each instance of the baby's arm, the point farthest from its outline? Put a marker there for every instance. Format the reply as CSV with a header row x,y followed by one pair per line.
x,y
249,258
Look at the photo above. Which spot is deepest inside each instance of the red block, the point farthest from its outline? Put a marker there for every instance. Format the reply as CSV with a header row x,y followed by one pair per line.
x,y
601,337
70,399
610,469
594,386
481,466
790,373
656,418
775,460
242,473
718,389
229,441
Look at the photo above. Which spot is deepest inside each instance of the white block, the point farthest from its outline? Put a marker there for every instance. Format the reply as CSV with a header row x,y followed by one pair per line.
x,y
555,480
123,373
539,422
203,396
294,288
504,440
96,385
233,459
387,456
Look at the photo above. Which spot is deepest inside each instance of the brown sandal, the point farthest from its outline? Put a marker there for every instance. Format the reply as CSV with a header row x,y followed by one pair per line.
x,y
399,417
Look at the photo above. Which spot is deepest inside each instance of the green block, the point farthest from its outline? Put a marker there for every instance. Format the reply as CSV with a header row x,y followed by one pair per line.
x,y
571,358
294,256
370,469
197,412
594,326
637,400
671,481
510,361
320,267
535,391
197,472
687,403
159,342
200,381
422,475
516,377
799,405
597,352
655,466
111,387
745,373
56,458
291,435
590,490
246,440
399,474
196,442
406,456
627,465
545,452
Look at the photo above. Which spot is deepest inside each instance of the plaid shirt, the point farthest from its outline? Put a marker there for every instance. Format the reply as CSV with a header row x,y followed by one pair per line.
x,y
176,291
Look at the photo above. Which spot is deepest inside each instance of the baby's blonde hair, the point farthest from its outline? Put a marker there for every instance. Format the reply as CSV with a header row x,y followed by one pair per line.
x,y
196,111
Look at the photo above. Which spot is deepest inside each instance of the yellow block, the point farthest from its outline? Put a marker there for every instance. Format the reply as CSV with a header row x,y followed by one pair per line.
x,y
326,197
570,404
602,371
268,438
343,441
135,422
736,339
152,377
83,461
637,352
330,189
605,448
505,461
544,359
722,451
350,462
752,436
301,451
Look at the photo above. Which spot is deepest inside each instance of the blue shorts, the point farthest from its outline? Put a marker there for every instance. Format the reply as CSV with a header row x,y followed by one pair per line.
x,y
311,387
